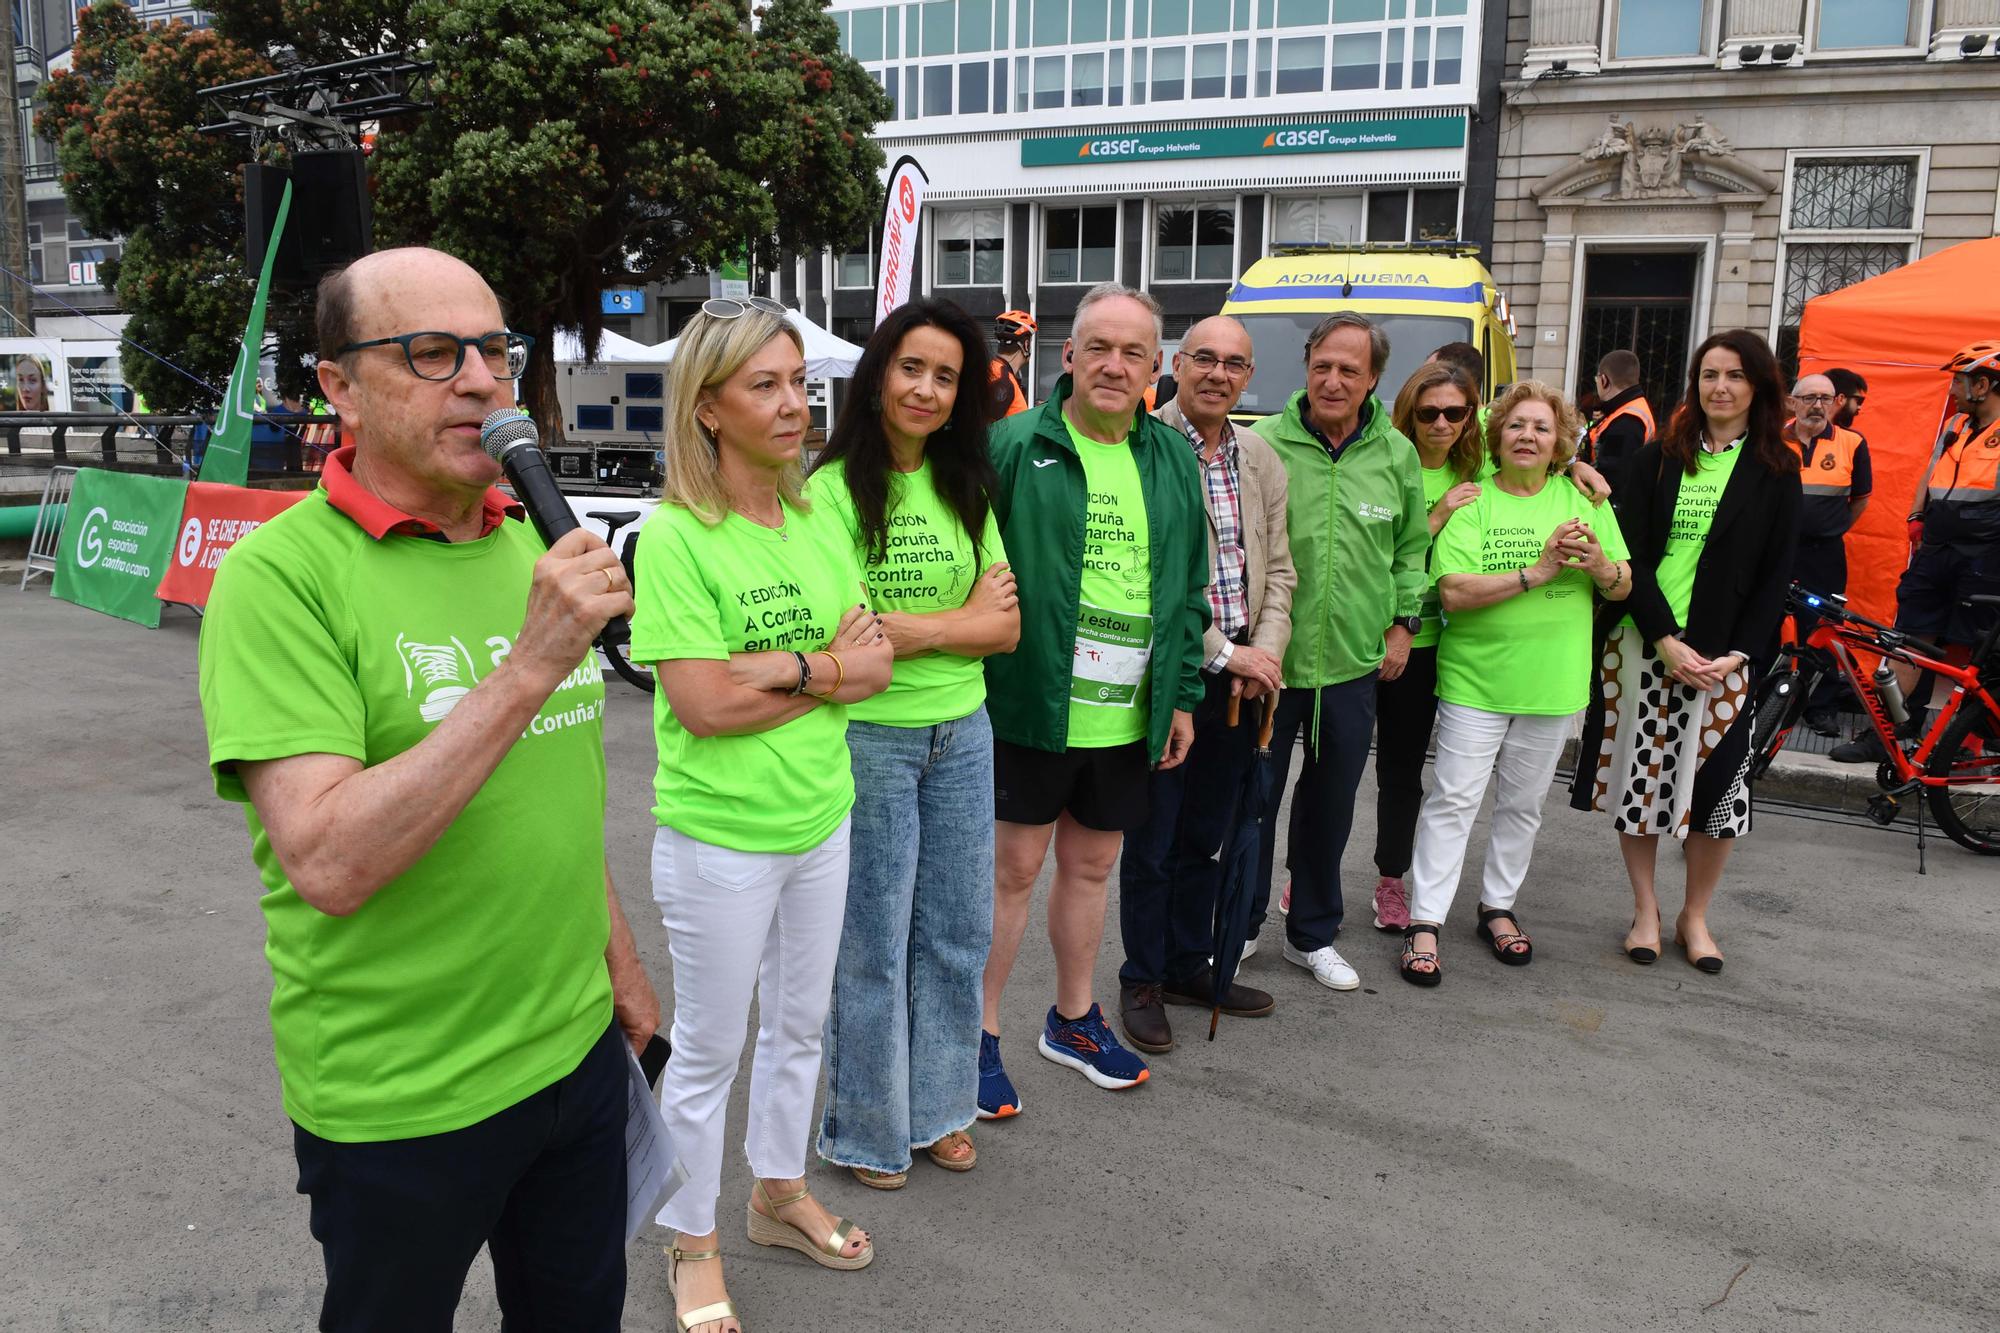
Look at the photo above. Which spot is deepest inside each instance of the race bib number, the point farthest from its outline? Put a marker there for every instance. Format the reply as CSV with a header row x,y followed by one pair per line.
x,y
1112,652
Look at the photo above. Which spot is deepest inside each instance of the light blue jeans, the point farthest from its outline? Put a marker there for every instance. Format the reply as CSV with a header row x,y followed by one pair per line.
x,y
902,1038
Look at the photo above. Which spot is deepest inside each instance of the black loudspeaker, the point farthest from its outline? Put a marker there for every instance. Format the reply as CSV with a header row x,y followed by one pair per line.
x,y
331,212
263,187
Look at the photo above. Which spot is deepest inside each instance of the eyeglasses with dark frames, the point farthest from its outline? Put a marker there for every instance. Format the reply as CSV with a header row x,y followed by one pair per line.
x,y
1234,366
437,356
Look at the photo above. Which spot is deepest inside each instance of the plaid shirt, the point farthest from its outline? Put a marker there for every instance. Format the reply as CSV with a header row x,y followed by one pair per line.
x,y
1228,580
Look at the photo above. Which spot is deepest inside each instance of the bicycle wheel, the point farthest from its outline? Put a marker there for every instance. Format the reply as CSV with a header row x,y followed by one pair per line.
x,y
628,671
1774,710
1968,810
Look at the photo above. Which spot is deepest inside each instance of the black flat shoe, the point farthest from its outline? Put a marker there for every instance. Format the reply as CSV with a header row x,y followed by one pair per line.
x,y
1502,942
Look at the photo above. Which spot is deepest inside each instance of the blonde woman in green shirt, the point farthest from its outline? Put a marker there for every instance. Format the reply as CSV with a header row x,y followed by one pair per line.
x,y
749,610
1515,570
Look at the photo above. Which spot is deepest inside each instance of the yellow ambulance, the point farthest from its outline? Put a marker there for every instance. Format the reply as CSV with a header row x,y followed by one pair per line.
x,y
1423,296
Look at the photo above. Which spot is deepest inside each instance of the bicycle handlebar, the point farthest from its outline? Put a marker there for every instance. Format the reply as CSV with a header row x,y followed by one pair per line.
x,y
1798,598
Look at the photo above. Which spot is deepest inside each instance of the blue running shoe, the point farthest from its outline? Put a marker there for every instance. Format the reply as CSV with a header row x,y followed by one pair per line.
x,y
1088,1047
997,1098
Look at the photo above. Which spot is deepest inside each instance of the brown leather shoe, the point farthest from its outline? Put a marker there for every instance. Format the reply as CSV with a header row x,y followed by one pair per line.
x,y
1239,1001
1143,1018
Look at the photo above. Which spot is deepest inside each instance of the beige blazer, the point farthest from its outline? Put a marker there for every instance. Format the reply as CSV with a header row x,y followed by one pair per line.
x,y
1267,548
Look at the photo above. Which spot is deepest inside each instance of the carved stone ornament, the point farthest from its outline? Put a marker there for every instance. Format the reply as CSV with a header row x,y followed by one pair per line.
x,y
1631,164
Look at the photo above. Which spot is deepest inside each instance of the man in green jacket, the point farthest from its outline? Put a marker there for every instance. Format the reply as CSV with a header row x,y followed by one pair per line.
x,y
1100,508
1357,524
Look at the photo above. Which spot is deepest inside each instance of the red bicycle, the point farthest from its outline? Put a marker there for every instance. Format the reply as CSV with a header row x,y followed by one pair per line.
x,y
1954,763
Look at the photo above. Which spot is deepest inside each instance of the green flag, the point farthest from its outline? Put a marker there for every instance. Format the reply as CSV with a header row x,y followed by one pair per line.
x,y
117,540
228,457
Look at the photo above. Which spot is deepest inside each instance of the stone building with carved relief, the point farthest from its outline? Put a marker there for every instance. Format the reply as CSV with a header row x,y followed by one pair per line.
x,y
1668,168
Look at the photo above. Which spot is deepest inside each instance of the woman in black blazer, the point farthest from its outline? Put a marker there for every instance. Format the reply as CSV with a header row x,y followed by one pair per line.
x,y
1710,511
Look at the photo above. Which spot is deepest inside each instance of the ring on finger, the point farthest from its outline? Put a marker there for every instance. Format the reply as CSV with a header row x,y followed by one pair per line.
x,y
610,580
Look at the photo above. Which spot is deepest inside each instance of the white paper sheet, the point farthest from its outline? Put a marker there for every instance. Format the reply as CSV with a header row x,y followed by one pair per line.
x,y
652,1171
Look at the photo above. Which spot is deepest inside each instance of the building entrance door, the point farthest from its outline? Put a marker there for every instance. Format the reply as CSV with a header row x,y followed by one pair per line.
x,y
1644,301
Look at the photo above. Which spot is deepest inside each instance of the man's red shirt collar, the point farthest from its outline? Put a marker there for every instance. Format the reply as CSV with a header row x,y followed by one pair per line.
x,y
378,518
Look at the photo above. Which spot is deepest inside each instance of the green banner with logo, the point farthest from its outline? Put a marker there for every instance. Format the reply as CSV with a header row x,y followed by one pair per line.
x,y
1252,140
116,541
227,459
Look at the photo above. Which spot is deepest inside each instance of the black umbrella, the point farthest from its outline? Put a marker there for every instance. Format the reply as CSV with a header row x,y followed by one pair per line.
x,y
1240,850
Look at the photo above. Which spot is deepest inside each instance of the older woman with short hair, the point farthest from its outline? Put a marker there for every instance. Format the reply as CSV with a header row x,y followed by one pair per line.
x,y
1516,569
749,612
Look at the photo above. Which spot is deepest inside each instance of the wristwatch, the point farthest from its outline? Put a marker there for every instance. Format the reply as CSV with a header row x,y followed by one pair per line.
x,y
1413,624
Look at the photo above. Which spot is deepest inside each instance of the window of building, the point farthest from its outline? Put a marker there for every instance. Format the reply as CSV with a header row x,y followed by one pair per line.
x,y
999,86
866,33
1211,71
1316,219
1194,242
856,268
1210,16
1118,77
1301,13
1170,18
1859,25
1139,76
1847,218
1080,244
1357,61
1659,29
1086,79
971,247
1051,22
1388,215
975,26
1089,20
887,78
1392,66
940,27
937,90
972,92
1048,82
1263,67
1169,74
1434,215
1239,69
1301,65
1448,56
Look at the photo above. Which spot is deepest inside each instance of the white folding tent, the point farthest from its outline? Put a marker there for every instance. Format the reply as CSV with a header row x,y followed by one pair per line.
x,y
827,356
611,347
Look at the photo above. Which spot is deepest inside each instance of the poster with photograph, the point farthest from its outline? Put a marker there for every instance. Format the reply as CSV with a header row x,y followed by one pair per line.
x,y
26,383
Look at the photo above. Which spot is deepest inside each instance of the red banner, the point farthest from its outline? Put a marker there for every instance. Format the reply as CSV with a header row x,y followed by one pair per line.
x,y
214,519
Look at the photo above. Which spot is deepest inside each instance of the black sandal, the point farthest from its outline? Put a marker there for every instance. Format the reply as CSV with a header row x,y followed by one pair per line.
x,y
1502,941
1412,954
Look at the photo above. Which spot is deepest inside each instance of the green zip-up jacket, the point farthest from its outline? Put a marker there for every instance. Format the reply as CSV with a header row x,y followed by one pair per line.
x,y
1039,505
1359,537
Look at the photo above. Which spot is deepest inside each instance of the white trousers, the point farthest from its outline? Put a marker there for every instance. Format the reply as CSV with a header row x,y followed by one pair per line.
x,y
1472,744
740,923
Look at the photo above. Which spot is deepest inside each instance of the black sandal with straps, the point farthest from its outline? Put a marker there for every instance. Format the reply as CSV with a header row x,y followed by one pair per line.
x,y
1413,955
1503,941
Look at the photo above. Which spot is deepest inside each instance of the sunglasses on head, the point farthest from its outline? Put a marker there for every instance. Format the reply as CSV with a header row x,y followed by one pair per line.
x,y
730,307
1454,415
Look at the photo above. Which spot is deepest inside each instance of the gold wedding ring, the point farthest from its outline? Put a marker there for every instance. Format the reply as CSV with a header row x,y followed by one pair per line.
x,y
610,581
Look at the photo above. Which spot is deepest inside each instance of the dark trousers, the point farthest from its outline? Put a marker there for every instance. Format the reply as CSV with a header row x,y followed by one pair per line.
x,y
1322,804
1821,565
542,1184
1405,710
1170,874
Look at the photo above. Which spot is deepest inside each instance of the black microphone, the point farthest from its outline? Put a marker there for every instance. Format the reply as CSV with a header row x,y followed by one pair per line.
x,y
510,439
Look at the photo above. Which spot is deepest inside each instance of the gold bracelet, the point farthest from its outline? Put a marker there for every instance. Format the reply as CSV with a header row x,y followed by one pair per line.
x,y
839,676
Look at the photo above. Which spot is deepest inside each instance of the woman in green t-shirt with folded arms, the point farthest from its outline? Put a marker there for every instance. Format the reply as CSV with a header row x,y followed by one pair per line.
x,y
1515,572
906,470
750,613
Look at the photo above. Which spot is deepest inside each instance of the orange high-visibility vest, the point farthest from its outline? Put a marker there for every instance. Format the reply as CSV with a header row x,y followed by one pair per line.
x,y
1001,370
1638,407
1831,469
1962,493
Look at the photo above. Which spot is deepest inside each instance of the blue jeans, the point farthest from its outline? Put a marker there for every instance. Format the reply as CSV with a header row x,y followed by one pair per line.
x,y
902,1039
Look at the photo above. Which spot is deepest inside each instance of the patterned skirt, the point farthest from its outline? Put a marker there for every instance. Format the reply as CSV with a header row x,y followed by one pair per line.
x,y
1671,760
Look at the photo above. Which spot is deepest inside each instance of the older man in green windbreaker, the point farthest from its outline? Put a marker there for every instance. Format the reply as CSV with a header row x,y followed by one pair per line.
x,y
1358,533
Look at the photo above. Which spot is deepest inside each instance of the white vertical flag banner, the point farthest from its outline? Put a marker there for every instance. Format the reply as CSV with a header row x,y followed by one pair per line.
x,y
899,234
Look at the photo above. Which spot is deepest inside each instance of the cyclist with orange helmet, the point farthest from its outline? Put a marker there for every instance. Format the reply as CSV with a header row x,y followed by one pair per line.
x,y
1958,511
1013,330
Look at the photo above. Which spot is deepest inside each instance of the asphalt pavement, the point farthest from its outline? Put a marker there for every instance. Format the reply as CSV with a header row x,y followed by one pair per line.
x,y
1804,1142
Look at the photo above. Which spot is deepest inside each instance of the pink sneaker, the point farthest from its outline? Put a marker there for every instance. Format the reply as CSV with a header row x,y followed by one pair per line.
x,y
1392,909
1285,900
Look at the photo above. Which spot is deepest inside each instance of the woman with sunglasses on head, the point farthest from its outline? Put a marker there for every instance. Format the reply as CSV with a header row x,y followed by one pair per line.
x,y
749,611
1515,569
906,471
1438,411
1711,510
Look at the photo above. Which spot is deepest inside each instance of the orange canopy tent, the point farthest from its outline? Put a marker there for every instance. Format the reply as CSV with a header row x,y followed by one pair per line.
x,y
1895,331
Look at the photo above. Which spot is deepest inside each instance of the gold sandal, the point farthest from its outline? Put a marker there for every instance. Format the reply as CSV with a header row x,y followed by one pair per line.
x,y
965,1163
774,1230
714,1312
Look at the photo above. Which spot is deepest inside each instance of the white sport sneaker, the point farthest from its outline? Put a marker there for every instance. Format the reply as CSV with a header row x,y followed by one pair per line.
x,y
1329,969
1249,952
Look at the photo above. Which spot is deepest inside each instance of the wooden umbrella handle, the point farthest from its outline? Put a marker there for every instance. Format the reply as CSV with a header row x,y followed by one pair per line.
x,y
1270,722
1235,709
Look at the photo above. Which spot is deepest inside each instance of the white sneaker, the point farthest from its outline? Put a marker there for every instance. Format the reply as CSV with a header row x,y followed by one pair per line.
x,y
1249,952
1329,969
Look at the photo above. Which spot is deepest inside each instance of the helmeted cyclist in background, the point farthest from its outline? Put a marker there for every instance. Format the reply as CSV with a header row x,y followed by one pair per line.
x,y
1958,555
1013,330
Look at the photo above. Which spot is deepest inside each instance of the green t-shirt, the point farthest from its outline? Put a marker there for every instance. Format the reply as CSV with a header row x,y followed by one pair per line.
x,y
929,566
1694,511
738,587
1108,690
476,977
1531,653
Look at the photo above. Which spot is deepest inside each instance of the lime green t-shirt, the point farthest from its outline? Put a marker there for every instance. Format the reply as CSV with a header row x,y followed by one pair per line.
x,y
738,587
1694,511
1531,653
930,565
476,977
1108,690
